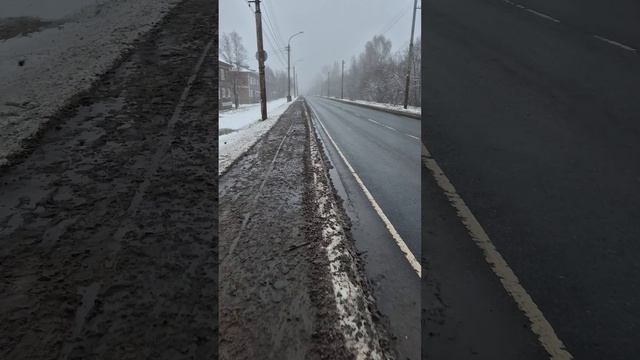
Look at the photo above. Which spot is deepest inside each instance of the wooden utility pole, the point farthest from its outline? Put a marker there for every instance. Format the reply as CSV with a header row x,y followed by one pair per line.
x,y
263,90
294,81
342,86
410,57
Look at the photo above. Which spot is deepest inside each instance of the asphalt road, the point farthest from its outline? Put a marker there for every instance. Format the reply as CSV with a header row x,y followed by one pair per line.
x,y
532,113
384,150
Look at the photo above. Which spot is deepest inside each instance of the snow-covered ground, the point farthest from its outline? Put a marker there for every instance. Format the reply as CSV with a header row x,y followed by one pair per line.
x,y
232,145
409,109
44,9
246,114
64,59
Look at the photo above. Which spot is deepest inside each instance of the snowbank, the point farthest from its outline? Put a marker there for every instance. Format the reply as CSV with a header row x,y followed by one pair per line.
x,y
410,109
61,61
45,9
231,146
246,114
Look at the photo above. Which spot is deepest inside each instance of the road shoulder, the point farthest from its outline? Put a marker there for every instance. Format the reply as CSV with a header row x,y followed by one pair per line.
x,y
277,290
108,227
466,311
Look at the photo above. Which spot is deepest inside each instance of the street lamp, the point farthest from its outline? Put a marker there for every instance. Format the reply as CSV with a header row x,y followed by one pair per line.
x,y
289,65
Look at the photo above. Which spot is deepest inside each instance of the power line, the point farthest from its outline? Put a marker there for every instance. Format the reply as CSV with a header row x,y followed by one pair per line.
x,y
274,48
277,44
272,14
400,16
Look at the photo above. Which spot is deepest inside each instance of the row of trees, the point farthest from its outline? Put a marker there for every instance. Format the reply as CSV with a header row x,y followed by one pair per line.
x,y
377,74
232,51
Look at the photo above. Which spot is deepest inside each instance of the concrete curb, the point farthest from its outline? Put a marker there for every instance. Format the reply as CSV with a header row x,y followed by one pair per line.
x,y
395,112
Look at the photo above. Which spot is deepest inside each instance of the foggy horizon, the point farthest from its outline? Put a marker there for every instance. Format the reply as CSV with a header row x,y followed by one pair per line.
x,y
319,21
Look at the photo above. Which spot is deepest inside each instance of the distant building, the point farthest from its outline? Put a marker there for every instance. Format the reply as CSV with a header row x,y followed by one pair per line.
x,y
247,86
225,86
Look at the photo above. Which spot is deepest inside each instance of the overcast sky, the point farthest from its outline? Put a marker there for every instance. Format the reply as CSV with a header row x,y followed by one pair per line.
x,y
333,29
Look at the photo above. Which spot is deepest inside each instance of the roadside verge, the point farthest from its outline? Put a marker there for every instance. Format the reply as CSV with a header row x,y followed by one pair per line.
x,y
233,145
47,72
353,302
289,286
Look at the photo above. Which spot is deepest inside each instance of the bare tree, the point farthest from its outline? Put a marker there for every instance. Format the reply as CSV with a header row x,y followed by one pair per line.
x,y
376,74
233,52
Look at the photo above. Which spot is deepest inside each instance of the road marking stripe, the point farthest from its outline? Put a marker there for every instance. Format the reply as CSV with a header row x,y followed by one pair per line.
x,y
539,324
615,43
389,127
392,230
544,16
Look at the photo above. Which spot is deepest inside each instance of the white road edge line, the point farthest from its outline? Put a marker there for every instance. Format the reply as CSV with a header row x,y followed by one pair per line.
x,y
544,16
373,121
538,323
615,43
392,230
414,137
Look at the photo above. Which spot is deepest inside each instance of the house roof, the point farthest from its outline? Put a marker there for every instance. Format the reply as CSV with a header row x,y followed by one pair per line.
x,y
246,70
224,63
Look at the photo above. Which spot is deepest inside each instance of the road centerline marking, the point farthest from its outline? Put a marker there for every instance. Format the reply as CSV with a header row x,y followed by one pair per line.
x,y
392,230
544,16
510,282
615,43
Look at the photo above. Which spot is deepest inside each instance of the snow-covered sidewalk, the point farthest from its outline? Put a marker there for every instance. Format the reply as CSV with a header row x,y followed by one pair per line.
x,y
413,110
246,114
232,145
40,72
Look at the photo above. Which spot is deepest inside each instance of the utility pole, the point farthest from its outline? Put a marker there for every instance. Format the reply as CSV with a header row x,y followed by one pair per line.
x,y
413,24
263,90
328,85
342,86
289,65
288,73
294,81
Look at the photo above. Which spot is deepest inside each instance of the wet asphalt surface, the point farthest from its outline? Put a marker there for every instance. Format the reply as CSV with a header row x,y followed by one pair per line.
x,y
535,122
388,162
108,222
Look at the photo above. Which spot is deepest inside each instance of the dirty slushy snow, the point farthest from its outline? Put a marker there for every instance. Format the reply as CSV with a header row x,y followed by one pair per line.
x,y
40,72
